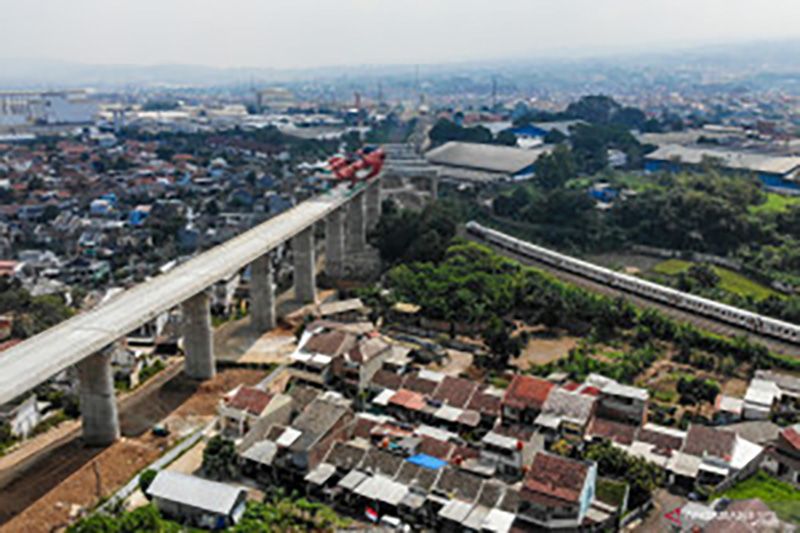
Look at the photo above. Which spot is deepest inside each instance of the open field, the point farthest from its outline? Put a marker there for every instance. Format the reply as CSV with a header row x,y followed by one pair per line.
x,y
730,281
781,497
776,203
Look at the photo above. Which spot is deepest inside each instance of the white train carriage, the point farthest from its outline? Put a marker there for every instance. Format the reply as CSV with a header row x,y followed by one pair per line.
x,y
695,304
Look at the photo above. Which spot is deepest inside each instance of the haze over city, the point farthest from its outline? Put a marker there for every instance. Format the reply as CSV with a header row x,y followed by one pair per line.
x,y
419,265
305,33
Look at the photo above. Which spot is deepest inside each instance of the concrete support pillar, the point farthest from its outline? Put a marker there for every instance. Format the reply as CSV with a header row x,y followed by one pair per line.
x,y
98,403
305,289
198,337
373,199
434,185
334,244
262,294
356,240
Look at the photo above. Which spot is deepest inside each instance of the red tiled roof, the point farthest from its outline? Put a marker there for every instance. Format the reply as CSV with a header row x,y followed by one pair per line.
x,y
553,476
249,399
527,392
792,436
411,400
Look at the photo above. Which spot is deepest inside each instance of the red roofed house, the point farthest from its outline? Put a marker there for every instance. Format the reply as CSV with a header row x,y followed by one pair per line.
x,y
783,458
241,408
557,492
525,398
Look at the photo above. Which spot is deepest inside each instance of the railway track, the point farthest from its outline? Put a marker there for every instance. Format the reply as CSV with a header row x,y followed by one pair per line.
x,y
704,322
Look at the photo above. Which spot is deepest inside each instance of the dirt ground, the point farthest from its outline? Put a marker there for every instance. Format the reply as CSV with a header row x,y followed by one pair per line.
x,y
542,349
73,477
456,363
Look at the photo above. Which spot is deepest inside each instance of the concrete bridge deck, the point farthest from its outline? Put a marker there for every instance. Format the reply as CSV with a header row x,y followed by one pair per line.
x,y
37,359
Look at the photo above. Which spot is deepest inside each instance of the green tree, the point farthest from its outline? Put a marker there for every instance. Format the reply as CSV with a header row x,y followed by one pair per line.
x,y
220,461
498,338
555,169
146,479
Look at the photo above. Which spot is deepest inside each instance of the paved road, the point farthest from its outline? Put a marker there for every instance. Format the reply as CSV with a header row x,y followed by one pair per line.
x,y
29,363
706,323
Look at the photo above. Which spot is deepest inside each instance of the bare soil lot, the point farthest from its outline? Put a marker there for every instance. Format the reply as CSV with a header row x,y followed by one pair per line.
x,y
72,477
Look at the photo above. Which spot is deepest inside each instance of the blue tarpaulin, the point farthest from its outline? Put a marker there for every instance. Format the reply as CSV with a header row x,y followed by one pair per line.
x,y
426,461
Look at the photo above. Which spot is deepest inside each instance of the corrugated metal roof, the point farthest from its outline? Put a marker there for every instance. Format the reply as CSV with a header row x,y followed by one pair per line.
x,y
487,157
737,160
196,492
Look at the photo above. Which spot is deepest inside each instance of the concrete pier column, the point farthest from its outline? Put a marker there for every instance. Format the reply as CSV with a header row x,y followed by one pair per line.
x,y
305,289
373,199
434,185
198,337
262,294
356,239
334,244
97,400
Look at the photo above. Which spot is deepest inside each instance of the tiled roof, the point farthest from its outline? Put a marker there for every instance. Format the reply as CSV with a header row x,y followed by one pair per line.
x,y
705,440
417,476
345,456
436,448
250,399
388,380
527,392
417,384
611,430
485,403
661,440
329,343
367,349
455,391
792,436
408,399
555,477
378,461
459,484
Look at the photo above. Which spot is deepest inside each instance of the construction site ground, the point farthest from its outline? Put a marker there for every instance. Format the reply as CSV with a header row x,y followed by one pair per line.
x,y
69,478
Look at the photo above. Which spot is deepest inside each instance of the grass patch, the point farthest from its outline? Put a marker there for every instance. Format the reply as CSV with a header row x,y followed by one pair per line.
x,y
611,491
781,497
672,267
729,280
775,204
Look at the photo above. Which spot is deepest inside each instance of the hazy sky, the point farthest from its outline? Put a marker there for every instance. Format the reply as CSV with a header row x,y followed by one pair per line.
x,y
303,33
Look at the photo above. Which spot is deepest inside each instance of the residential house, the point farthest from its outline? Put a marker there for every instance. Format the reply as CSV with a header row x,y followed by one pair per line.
x,y
524,399
617,401
312,360
710,456
243,407
760,399
783,457
352,310
565,413
356,367
197,501
557,492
